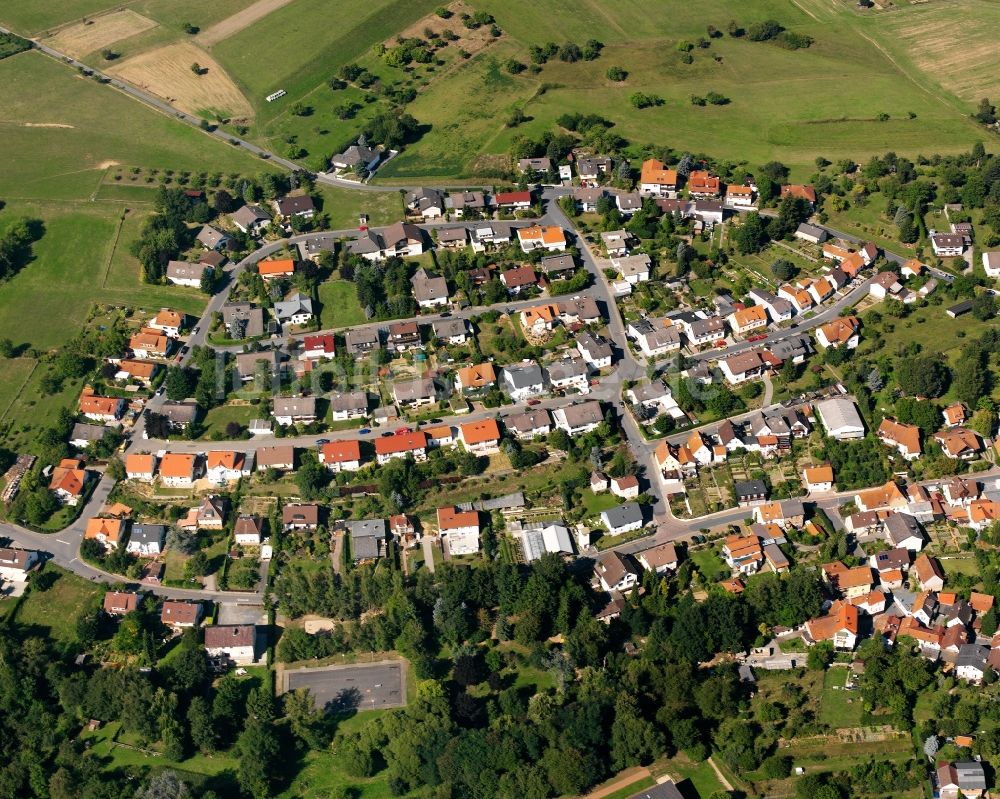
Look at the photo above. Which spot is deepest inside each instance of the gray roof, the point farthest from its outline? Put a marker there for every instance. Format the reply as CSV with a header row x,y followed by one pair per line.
x,y
650,392
87,432
179,413
322,242
596,346
249,214
567,368
355,155
246,362
812,230
148,534
750,488
790,347
361,337
368,242
839,412
621,515
427,286
349,401
523,375
583,414
414,197
294,406
211,237
297,303
900,526
448,235
408,390
972,656
446,328
254,318
542,537
530,420
185,270
557,263
629,201
515,500
663,790
367,538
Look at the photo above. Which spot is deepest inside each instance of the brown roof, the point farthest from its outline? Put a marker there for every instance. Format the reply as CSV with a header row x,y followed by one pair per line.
x,y
220,636
175,611
905,436
121,601
819,474
300,514
926,568
275,456
958,441
519,276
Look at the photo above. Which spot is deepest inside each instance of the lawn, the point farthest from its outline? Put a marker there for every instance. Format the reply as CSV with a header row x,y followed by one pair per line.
x,y
701,775
837,707
709,564
339,306
321,775
217,418
56,610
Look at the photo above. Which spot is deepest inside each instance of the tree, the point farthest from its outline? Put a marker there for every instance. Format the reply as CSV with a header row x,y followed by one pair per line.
x,y
180,383
164,785
634,740
751,235
257,747
783,270
984,306
202,726
305,720
616,74
989,623
820,656
922,376
931,746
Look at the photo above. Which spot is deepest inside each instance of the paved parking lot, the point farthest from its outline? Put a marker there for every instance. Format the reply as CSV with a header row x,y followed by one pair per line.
x,y
240,613
369,686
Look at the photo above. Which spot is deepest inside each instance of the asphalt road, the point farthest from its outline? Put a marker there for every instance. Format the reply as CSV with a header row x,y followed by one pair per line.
x,y
357,687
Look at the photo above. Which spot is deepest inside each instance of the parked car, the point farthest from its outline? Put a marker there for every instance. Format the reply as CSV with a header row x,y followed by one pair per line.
x,y
322,441
364,431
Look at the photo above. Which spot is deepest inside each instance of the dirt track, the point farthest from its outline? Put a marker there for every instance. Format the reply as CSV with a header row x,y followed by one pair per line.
x,y
238,21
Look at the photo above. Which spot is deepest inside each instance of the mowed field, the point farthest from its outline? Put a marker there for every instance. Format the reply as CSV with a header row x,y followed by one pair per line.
x,y
167,73
99,32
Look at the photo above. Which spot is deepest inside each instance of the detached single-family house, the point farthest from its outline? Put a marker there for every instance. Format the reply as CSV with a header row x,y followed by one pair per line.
x,y
616,572
272,268
518,278
319,347
961,780
655,180
68,480
178,470
140,466
232,642
746,320
280,457
578,419
251,219
902,531
959,443
450,331
947,245
224,466
185,273
659,559
429,290
146,540
512,200
212,238
595,350
368,538
459,529
414,393
295,309
401,445
802,192
549,237
248,530
101,409
622,518
811,233
106,531
701,183
341,456
740,196
523,381
928,573
633,268
840,626
120,603
475,378
841,332
15,564
480,437
818,478
209,515
180,613
743,366
427,203
529,424
358,158
301,205
299,516
904,438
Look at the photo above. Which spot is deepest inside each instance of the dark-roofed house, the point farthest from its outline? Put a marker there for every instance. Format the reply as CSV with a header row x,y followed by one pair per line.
x,y
250,364
427,203
811,233
558,264
579,419
16,563
361,341
251,219
452,237
358,157
961,780
616,572
294,410
280,457
146,540
234,642
368,538
523,381
178,414
248,530
453,331
622,518
301,205
750,492
243,320
902,531
533,422
414,393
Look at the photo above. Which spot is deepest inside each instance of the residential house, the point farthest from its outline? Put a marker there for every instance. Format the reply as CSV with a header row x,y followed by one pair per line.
x,y
743,366
451,331
298,516
654,341
540,318
626,487
991,264
523,381
740,196
786,513
248,530
295,309
746,320
224,466
616,242
140,371
775,559
595,350
108,532
749,492
622,518
518,278
146,540
459,529
402,240
68,480
149,343
272,268
301,205
743,553
954,415
850,582
579,310
341,456
593,168
319,347
578,419
616,572
251,219
209,515
701,183
904,438
184,273
655,180
480,437
429,290
627,203
280,457
961,780
100,409
884,498
140,466
884,284
534,166
633,268
840,418
178,470
368,539
180,613
404,336
510,201
242,320
361,341
442,435
902,531
947,245
451,238
264,364
841,332
120,603
959,443
549,237
15,564
839,626
530,424
818,478
569,374
928,573
478,377
294,410
426,203
811,233
661,558
587,198
800,299
820,290
212,238
401,445
467,202
414,393
232,642
802,192
358,158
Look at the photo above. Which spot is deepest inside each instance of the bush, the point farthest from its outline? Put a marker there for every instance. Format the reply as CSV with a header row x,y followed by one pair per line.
x,y
616,74
642,100
763,31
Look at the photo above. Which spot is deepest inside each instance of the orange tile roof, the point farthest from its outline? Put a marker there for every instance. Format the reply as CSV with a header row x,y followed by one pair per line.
x,y
342,451
955,414
755,313
839,331
926,568
168,318
905,436
804,192
914,266
887,496
140,463
819,474
224,458
852,264
109,529
980,602
439,432
550,234
480,432
403,442
835,253
478,376
842,616
739,191
149,341
177,464
539,313
69,477
143,369
915,630
278,266
957,441
452,518
654,171
700,181
984,510
855,578
105,406
733,586
119,509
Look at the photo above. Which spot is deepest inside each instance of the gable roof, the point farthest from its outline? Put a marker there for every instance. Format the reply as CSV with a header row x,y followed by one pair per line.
x,y
480,432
